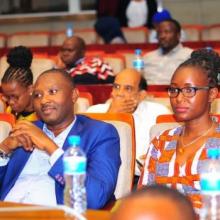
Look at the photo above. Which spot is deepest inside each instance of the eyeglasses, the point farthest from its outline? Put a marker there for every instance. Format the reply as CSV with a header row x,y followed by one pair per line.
x,y
188,92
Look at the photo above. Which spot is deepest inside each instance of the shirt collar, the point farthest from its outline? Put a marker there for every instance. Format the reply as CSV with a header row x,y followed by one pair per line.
x,y
63,134
174,50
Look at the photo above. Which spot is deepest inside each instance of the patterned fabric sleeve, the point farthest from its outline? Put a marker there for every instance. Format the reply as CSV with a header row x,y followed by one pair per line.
x,y
94,66
148,173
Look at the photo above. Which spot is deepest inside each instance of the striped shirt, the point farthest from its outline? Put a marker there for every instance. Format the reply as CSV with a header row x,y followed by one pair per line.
x,y
161,166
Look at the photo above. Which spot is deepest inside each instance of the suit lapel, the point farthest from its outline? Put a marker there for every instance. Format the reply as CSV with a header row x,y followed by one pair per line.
x,y
75,130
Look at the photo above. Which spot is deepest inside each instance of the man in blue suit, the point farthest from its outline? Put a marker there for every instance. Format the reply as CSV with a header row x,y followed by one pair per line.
x,y
31,169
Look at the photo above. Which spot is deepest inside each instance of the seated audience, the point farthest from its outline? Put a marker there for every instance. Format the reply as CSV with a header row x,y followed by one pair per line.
x,y
160,64
175,157
158,17
142,9
155,202
128,94
31,167
108,28
17,84
84,70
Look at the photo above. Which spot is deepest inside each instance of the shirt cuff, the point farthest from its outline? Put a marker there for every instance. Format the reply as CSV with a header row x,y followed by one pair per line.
x,y
4,161
55,156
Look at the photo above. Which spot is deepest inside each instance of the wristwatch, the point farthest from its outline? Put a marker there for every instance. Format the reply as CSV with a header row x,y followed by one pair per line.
x,y
3,155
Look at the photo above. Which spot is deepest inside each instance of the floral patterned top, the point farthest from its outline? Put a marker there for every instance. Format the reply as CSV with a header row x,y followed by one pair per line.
x,y
161,166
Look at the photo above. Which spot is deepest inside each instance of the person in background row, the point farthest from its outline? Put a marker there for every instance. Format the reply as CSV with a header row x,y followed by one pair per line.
x,y
84,70
175,157
136,13
160,64
17,84
31,166
155,202
158,17
128,94
126,10
108,28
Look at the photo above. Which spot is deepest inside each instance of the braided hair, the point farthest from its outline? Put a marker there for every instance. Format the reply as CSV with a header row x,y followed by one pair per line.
x,y
208,60
19,59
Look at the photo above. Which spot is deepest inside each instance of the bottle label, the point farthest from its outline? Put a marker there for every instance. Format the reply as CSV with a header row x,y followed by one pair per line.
x,y
210,183
74,165
138,64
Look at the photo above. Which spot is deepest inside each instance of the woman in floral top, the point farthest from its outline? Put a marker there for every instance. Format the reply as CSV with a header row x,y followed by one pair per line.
x,y
175,157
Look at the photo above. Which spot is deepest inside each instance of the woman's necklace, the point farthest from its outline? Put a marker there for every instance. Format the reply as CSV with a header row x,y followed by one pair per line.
x,y
181,149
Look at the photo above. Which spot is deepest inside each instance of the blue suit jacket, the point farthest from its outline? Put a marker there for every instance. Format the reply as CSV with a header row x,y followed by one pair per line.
x,y
99,141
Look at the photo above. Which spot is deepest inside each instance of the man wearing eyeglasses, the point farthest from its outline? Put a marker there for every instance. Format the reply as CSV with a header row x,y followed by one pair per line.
x,y
128,94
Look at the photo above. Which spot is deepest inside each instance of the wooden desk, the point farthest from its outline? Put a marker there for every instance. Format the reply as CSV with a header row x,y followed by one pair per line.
x,y
46,214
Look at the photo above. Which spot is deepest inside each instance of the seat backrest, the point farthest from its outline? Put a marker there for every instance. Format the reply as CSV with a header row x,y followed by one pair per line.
x,y
168,121
87,34
2,40
211,33
83,102
163,122
135,35
124,123
88,96
6,122
162,100
57,38
117,62
167,118
3,105
28,39
38,66
157,129
215,106
100,92
193,32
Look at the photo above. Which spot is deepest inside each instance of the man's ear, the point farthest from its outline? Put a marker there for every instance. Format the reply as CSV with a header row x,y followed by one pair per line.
x,y
213,93
142,95
75,95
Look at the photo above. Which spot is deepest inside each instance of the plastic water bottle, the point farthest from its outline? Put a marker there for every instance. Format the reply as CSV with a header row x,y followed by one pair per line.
x,y
138,62
210,186
74,161
69,30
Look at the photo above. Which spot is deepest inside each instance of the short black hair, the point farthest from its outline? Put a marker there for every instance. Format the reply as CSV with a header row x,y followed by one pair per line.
x,y
142,84
63,72
19,59
175,23
208,60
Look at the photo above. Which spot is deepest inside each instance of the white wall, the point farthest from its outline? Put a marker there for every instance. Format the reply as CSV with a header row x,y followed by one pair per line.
x,y
186,11
194,11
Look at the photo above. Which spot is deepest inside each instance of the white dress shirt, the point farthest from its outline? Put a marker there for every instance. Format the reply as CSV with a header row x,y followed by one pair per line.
x,y
34,185
144,117
160,67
